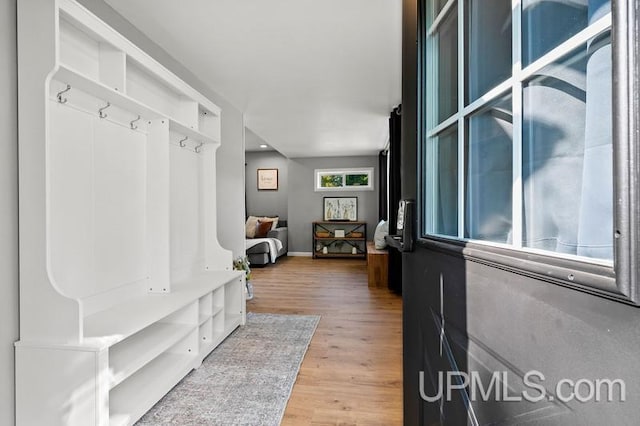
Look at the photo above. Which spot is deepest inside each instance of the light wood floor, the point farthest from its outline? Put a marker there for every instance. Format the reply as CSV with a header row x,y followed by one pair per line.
x,y
352,372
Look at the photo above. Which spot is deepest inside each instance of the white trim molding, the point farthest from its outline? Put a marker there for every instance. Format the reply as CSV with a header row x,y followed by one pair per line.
x,y
299,254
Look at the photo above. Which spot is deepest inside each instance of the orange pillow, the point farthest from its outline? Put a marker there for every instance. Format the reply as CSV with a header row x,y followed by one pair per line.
x,y
263,227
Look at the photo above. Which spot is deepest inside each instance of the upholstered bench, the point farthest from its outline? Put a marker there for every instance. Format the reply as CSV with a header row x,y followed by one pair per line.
x,y
377,266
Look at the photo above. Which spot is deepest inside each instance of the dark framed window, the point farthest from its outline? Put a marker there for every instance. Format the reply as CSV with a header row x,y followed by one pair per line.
x,y
353,179
527,155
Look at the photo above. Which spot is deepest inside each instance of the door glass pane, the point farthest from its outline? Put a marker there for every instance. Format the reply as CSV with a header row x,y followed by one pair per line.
x,y
567,155
441,170
488,40
488,177
439,4
546,24
446,66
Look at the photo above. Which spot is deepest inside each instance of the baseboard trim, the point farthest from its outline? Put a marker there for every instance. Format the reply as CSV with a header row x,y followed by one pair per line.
x,y
300,253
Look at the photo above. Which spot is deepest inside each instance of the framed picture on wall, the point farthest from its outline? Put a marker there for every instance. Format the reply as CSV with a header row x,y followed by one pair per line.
x,y
268,179
340,208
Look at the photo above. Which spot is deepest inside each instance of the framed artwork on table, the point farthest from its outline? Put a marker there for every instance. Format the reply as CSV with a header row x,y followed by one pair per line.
x,y
340,208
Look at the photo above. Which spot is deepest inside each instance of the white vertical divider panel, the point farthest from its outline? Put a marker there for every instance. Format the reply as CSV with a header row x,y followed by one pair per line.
x,y
186,210
48,315
158,206
216,257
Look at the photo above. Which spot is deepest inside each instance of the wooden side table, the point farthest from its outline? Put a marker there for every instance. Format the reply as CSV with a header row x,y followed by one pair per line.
x,y
377,266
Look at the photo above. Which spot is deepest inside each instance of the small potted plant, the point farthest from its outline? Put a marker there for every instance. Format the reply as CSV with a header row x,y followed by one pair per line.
x,y
242,264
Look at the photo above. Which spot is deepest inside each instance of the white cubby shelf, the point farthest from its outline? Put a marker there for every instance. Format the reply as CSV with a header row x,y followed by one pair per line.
x,y
124,286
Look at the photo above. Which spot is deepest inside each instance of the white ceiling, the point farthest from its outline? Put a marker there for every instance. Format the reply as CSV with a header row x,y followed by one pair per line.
x,y
253,142
313,77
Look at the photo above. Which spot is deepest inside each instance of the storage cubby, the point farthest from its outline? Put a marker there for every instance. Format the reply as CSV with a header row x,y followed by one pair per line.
x,y
148,89
218,326
132,398
187,315
88,53
205,306
133,353
217,300
188,346
124,286
78,50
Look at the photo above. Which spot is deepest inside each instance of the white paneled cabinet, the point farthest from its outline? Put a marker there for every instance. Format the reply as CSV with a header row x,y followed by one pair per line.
x,y
124,287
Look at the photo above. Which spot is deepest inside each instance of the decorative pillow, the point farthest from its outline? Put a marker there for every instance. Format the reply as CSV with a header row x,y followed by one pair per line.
x,y
250,226
274,220
263,227
382,229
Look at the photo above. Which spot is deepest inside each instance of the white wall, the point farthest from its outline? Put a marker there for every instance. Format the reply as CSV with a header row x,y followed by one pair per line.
x,y
8,208
230,158
230,175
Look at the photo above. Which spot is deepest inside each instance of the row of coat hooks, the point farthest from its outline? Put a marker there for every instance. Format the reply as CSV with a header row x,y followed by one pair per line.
x,y
101,111
102,114
183,144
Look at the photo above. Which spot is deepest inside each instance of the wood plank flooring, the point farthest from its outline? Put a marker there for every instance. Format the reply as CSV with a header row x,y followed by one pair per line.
x,y
352,372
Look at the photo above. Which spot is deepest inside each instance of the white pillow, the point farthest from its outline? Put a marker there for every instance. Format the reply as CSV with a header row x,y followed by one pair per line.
x,y
274,219
382,229
250,226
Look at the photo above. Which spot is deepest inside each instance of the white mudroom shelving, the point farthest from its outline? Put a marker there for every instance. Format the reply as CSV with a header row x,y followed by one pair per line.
x,y
124,287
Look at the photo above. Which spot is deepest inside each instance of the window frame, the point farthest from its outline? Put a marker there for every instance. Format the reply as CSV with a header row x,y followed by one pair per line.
x,y
617,279
318,173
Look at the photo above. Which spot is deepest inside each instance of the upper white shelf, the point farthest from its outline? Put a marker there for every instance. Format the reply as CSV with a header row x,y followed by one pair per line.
x,y
178,127
80,81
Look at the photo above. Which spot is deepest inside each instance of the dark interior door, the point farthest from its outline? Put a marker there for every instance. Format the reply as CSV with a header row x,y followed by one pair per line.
x,y
546,336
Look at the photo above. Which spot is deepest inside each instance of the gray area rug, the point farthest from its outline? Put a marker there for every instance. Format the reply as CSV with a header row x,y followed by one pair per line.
x,y
247,380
